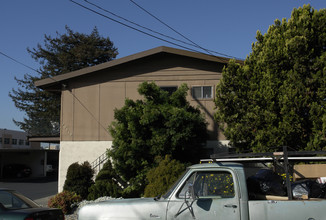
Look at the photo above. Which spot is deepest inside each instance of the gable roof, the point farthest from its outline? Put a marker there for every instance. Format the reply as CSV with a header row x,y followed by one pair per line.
x,y
54,83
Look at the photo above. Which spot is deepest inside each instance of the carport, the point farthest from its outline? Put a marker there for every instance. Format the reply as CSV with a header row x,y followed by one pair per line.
x,y
36,159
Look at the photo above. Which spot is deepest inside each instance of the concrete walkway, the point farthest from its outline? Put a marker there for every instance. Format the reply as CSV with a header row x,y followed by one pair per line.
x,y
43,201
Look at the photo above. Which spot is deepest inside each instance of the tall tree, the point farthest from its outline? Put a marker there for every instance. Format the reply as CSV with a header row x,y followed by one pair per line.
x,y
64,53
159,124
278,96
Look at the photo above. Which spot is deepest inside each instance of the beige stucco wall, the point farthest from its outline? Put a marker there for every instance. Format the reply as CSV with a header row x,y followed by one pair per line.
x,y
78,151
88,104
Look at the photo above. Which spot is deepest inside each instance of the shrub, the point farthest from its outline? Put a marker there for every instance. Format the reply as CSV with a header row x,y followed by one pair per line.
x,y
79,179
105,184
160,123
64,201
163,176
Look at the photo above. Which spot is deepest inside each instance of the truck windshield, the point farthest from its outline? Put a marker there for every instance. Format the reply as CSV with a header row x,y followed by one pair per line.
x,y
168,193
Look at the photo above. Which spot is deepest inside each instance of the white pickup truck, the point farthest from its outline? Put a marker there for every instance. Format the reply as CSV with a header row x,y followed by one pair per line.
x,y
207,191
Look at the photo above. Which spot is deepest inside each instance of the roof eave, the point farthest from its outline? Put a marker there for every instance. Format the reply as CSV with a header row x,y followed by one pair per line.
x,y
55,83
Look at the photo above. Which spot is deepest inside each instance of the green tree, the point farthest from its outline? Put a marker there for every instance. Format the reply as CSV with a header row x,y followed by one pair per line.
x,y
79,179
277,97
65,53
159,124
106,183
161,178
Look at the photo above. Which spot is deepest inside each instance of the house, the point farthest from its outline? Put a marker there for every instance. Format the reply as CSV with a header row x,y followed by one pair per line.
x,y
90,95
14,140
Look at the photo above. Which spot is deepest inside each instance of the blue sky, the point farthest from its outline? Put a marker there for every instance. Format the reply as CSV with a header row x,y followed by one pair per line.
x,y
228,27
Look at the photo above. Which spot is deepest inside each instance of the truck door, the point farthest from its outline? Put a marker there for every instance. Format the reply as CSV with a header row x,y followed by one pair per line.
x,y
213,197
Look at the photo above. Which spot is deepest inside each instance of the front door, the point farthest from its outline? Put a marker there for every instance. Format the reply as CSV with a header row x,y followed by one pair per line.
x,y
214,197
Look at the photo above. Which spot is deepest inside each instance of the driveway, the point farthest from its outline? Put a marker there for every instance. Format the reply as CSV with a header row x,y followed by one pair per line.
x,y
39,189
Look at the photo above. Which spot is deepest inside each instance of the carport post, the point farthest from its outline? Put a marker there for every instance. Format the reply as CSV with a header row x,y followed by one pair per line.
x,y
1,165
45,162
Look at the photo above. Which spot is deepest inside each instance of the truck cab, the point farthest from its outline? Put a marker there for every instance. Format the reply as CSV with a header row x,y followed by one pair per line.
x,y
209,191
205,191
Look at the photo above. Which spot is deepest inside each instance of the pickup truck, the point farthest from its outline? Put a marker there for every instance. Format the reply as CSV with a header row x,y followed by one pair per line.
x,y
207,191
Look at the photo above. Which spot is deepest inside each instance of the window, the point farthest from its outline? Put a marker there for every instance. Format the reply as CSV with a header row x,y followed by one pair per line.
x,y
11,201
14,141
169,89
210,184
0,140
6,141
21,142
202,92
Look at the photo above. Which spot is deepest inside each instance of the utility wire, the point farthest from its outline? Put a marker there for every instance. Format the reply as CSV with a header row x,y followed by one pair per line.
x,y
3,54
15,60
167,25
85,107
193,44
80,102
174,30
143,32
134,23
222,59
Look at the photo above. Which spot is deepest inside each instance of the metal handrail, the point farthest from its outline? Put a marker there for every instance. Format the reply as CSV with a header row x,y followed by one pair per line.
x,y
96,164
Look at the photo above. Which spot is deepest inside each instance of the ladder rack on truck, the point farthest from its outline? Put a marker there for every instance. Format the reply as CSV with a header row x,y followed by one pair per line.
x,y
275,157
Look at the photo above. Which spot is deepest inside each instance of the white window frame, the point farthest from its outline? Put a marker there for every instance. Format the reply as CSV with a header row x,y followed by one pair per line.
x,y
202,92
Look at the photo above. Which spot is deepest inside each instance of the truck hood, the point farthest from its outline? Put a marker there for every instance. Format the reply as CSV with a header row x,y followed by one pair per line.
x,y
143,208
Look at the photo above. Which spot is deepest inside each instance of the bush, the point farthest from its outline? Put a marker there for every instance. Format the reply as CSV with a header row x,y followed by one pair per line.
x,y
105,184
64,201
160,123
163,176
79,179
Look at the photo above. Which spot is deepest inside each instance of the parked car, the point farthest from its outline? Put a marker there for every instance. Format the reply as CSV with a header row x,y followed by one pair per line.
x,y
14,205
16,170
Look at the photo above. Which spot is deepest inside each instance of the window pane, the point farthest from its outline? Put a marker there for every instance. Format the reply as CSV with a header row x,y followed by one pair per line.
x,y
5,199
210,184
10,201
196,92
169,89
14,141
214,184
21,142
6,141
207,92
185,189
